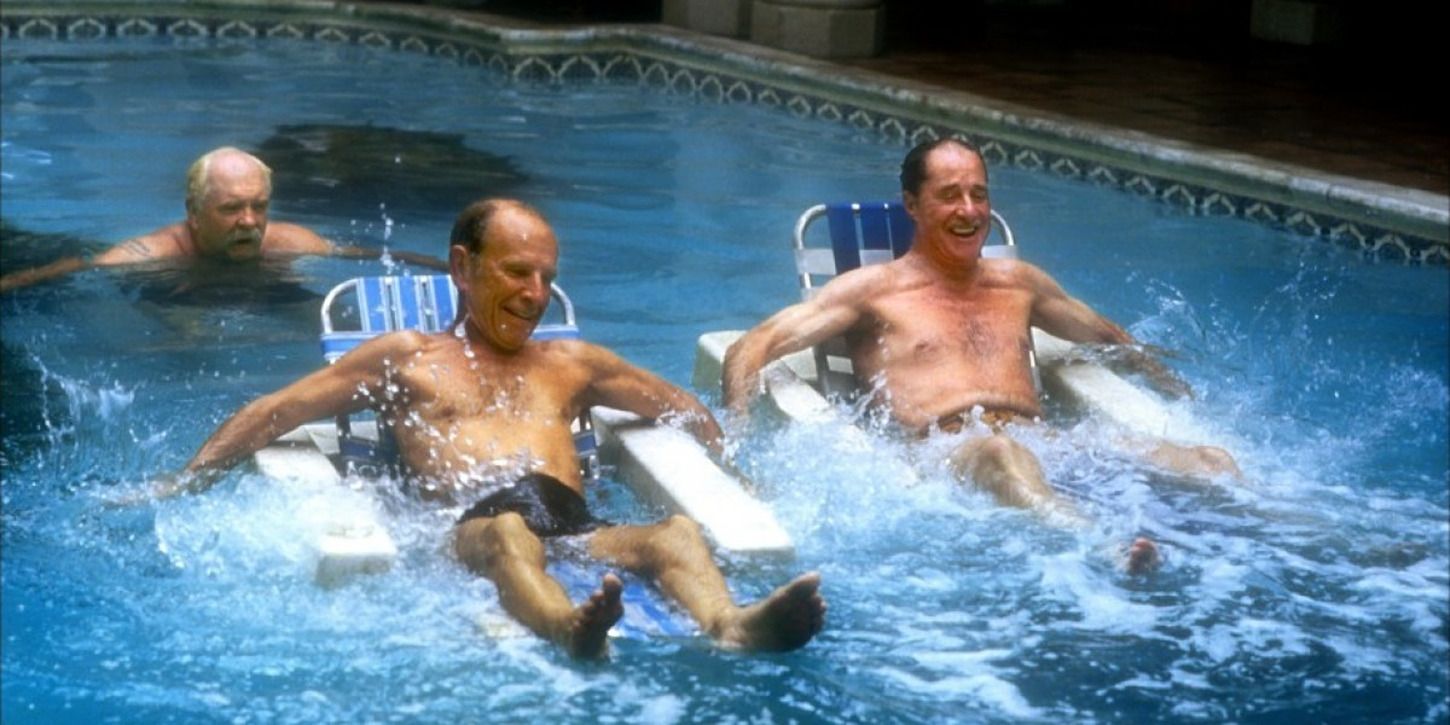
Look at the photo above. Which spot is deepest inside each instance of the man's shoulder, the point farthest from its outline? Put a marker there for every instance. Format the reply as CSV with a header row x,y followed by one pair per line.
x,y
1016,271
572,349
396,346
168,241
585,358
862,281
295,238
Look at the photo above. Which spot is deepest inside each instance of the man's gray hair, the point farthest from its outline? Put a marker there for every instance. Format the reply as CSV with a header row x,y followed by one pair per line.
x,y
198,176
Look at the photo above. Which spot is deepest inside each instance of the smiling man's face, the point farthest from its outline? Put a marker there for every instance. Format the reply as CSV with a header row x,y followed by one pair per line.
x,y
952,211
507,285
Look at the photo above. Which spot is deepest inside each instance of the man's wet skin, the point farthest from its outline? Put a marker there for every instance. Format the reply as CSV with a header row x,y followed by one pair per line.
x,y
783,621
587,636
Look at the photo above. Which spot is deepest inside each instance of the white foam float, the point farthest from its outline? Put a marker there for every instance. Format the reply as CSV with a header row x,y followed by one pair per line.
x,y
663,465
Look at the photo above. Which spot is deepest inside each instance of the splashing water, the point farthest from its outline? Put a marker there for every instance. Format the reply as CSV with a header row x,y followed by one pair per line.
x,y
1317,590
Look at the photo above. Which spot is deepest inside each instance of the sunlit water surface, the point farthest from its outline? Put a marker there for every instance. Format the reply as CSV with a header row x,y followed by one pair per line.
x,y
1317,590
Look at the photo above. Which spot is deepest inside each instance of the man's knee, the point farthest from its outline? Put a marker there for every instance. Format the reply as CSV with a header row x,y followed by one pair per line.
x,y
681,525
674,537
1195,460
1004,468
677,530
996,450
1215,460
482,541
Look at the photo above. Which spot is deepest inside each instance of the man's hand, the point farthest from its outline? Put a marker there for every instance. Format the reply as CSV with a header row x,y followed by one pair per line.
x,y
164,487
1144,359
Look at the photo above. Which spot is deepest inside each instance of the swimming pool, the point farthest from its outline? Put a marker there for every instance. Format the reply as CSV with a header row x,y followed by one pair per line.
x,y
1320,592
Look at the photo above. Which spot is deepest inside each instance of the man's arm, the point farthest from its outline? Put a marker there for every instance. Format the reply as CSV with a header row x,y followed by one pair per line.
x,y
287,238
321,394
422,260
35,275
618,384
1057,313
833,311
1067,317
146,248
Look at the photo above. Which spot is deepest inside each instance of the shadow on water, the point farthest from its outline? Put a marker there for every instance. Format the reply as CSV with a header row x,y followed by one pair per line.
x,y
24,399
253,286
20,248
353,170
23,403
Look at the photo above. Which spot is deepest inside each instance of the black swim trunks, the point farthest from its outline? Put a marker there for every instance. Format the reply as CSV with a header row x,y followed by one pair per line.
x,y
549,507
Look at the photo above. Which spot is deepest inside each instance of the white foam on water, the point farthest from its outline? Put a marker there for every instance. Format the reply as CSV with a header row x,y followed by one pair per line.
x,y
989,690
1103,606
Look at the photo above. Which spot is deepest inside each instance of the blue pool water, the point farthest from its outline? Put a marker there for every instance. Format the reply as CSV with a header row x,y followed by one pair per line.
x,y
1316,592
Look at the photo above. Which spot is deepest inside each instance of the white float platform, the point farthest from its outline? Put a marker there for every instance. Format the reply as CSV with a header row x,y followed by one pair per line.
x,y
667,467
664,466
354,540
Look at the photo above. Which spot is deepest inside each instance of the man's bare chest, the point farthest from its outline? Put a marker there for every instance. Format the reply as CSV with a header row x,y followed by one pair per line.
x,y
925,326
459,389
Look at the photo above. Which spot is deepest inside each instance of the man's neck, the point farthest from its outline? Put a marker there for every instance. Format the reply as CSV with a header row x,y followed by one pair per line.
x,y
943,268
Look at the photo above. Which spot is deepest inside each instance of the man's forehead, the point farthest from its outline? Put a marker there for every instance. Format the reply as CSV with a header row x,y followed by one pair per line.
x,y
950,162
538,249
518,228
239,181
953,155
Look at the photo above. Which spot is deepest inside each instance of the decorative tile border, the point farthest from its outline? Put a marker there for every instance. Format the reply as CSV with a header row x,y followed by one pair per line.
x,y
706,84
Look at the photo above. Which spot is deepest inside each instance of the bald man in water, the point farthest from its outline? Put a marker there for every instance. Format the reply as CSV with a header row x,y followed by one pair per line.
x,y
482,415
940,338
228,197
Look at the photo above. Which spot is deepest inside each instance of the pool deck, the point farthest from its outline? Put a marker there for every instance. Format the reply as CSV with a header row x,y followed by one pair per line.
x,y
1298,118
1273,103
1271,123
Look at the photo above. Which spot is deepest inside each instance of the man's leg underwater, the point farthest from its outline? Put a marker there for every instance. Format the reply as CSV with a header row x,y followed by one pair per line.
x,y
674,553
503,549
1012,474
1004,468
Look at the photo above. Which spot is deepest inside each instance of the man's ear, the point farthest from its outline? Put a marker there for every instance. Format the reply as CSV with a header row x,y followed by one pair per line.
x,y
908,200
458,267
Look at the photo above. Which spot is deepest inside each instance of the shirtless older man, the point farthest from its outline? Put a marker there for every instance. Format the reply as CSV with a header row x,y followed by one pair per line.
x,y
462,401
941,331
228,196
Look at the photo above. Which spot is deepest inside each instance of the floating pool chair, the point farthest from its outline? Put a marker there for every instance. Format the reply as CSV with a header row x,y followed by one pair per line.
x,y
876,232
365,307
664,466
865,233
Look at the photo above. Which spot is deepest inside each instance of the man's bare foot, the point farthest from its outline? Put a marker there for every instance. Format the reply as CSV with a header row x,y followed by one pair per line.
x,y
1142,556
783,621
588,633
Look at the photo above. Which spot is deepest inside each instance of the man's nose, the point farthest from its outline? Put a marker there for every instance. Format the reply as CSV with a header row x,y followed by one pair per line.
x,y
538,288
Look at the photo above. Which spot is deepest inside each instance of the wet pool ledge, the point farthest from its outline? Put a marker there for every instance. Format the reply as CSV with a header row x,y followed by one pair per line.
x,y
1383,221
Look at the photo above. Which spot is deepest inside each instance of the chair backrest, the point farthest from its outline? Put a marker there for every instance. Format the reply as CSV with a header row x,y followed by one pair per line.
x,y
865,233
365,307
427,303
